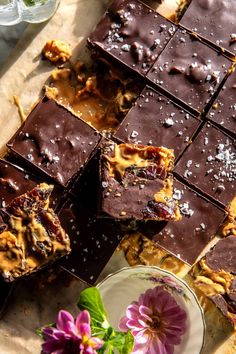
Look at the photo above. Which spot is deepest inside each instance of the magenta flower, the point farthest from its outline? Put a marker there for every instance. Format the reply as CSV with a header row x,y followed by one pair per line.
x,y
70,336
156,321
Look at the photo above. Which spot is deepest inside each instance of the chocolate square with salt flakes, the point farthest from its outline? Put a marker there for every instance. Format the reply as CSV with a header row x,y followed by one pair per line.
x,y
93,242
223,111
209,164
189,70
132,33
135,182
215,276
156,120
213,20
186,238
54,141
15,181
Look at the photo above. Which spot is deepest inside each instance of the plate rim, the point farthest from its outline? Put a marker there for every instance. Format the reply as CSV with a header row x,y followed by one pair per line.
x,y
110,275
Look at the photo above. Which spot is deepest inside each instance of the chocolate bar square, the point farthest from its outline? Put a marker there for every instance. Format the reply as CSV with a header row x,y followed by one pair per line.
x,y
214,20
215,276
132,33
189,70
223,111
31,236
93,241
209,164
135,182
156,120
186,238
15,181
55,141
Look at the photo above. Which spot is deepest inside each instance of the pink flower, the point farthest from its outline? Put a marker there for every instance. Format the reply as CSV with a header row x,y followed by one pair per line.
x,y
156,321
70,336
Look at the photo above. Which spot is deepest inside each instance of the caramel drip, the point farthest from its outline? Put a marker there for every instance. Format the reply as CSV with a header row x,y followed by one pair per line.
x,y
126,155
229,226
26,245
211,282
21,112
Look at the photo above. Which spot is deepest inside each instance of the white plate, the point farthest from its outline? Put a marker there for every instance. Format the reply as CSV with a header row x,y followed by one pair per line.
x,y
118,290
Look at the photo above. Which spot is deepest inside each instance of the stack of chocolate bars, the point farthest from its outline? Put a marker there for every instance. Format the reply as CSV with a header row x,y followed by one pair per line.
x,y
170,165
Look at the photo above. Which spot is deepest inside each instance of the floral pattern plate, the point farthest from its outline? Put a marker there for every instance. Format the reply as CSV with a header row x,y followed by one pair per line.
x,y
119,289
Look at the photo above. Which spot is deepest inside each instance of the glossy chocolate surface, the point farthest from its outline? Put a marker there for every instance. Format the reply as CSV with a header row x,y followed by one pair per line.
x,y
214,20
15,181
132,33
186,238
86,187
55,141
155,120
222,256
223,111
210,164
189,70
93,242
131,178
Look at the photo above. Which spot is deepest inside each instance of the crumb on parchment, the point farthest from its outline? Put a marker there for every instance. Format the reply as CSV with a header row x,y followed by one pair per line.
x,y
57,51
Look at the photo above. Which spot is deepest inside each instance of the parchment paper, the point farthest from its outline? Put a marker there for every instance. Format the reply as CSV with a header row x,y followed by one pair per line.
x,y
24,75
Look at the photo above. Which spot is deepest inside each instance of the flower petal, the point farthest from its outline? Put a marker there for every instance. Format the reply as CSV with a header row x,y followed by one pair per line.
x,y
145,311
123,324
62,320
83,317
52,346
132,311
84,330
96,343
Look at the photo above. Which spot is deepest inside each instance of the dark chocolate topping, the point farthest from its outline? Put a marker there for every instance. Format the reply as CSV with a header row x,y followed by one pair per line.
x,y
189,70
15,181
155,120
214,20
133,33
133,199
223,111
93,242
186,238
55,141
210,164
132,193
222,256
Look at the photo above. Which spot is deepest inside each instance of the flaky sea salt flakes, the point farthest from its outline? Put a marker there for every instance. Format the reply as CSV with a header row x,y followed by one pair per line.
x,y
134,134
168,122
177,194
185,209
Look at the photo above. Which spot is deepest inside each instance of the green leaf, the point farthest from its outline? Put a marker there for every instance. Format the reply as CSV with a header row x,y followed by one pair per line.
x,y
91,301
123,342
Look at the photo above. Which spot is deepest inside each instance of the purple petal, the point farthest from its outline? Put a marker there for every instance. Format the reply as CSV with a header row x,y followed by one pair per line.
x,y
51,333
156,346
83,317
87,350
52,347
97,343
62,320
134,324
123,324
132,311
145,311
84,329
